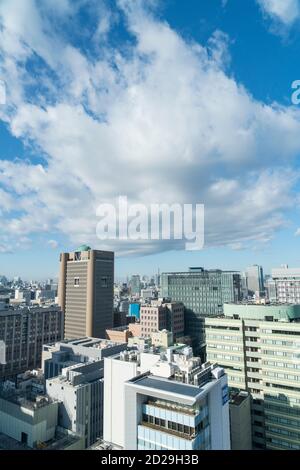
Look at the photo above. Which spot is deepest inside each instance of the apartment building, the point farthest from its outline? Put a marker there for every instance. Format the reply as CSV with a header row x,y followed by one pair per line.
x,y
23,331
286,285
259,348
159,315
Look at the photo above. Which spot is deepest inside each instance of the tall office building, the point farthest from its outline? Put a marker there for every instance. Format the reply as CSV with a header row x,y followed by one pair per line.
x,y
258,346
86,292
286,285
135,284
255,280
165,401
23,331
203,293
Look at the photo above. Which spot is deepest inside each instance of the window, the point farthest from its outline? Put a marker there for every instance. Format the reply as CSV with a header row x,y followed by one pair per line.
x,y
76,281
104,282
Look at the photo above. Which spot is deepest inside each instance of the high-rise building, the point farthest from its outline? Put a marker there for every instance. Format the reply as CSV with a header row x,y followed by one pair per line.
x,y
135,284
286,287
255,280
203,293
258,346
165,403
23,331
86,292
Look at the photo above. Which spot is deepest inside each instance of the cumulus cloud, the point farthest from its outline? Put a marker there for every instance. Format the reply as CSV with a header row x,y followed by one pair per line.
x,y
160,121
283,12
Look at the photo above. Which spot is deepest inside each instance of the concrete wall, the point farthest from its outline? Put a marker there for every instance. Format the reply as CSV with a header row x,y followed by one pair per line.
x,y
240,425
39,425
116,373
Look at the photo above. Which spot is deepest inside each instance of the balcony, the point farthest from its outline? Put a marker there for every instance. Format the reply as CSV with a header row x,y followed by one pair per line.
x,y
181,435
177,408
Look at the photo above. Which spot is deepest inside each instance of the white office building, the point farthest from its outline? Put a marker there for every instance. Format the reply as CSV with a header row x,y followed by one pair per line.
x,y
286,285
165,401
74,370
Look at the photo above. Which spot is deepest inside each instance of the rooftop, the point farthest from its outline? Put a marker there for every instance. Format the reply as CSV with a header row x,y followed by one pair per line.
x,y
238,398
84,248
169,386
25,310
263,312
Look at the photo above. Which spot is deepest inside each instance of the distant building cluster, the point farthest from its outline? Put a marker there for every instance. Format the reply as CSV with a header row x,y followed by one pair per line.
x,y
196,360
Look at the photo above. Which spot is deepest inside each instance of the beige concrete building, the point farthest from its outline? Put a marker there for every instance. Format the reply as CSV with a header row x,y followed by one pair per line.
x,y
153,318
135,329
122,334
85,292
175,318
162,338
159,316
119,335
258,346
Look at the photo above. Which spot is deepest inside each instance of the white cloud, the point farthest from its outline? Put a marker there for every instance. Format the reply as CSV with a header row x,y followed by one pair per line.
x,y
53,244
163,122
285,12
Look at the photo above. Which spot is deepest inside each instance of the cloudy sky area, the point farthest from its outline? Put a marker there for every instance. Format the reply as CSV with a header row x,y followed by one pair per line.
x,y
158,101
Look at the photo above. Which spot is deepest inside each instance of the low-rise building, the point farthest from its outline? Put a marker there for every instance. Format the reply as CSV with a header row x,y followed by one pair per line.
x,y
74,373
162,338
27,420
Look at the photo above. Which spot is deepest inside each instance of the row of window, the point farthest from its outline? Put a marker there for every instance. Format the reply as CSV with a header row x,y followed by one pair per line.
x,y
180,428
279,375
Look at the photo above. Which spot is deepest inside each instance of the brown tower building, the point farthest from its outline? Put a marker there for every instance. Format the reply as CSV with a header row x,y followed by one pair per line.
x,y
85,292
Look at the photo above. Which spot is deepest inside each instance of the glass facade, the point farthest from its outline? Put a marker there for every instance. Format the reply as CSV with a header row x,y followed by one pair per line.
x,y
166,425
203,294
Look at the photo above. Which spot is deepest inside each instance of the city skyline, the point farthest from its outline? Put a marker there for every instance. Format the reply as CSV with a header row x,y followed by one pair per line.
x,y
134,106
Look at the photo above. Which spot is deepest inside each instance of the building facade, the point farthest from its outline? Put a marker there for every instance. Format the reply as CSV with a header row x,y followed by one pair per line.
x,y
135,285
203,293
165,401
240,421
153,318
255,280
286,287
258,346
85,292
74,371
23,331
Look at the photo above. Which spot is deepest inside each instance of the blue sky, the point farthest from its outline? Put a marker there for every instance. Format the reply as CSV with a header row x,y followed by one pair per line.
x,y
161,101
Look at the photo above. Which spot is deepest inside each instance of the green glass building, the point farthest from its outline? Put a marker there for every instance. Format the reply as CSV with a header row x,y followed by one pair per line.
x,y
203,293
